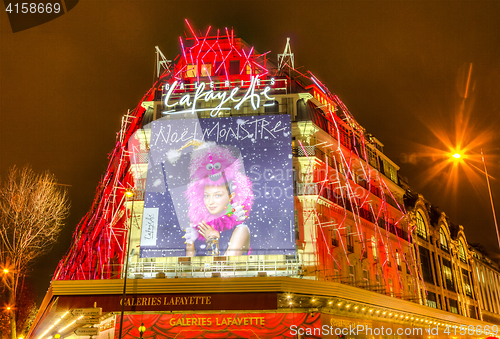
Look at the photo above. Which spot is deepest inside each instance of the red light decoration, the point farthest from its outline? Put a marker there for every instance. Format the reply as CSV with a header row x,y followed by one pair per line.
x,y
99,240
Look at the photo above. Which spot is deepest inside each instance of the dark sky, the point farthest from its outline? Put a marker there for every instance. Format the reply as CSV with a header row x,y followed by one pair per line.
x,y
401,67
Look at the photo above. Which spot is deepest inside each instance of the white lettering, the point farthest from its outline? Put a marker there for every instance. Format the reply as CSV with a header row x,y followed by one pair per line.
x,y
169,93
190,101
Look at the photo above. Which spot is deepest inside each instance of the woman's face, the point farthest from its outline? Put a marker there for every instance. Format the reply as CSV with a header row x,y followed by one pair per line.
x,y
216,198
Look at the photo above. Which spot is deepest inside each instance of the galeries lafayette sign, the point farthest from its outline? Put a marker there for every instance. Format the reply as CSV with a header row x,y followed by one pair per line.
x,y
172,302
224,98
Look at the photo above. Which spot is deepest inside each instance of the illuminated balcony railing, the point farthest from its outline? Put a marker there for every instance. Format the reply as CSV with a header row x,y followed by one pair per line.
x,y
226,268
308,151
367,215
326,192
352,143
139,158
313,151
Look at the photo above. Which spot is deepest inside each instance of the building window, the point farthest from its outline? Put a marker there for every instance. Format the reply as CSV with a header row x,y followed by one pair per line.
x,y
467,285
421,231
374,248
220,68
453,306
351,274
461,252
425,261
410,286
372,157
431,300
435,268
271,106
350,247
335,241
234,67
472,312
398,260
442,240
345,137
206,70
387,255
393,174
192,70
448,275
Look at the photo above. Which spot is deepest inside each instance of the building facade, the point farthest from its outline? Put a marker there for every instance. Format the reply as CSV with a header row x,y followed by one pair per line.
x,y
486,278
318,236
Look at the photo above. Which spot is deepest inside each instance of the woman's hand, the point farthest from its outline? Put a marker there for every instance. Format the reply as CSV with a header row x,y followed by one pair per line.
x,y
208,232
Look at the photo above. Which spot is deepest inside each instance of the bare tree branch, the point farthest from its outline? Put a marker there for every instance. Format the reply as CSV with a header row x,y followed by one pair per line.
x,y
32,212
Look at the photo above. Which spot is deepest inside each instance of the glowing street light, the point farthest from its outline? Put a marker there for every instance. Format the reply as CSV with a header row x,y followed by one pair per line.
x,y
129,193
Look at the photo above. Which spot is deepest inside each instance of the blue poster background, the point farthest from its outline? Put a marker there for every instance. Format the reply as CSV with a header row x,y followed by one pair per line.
x,y
263,143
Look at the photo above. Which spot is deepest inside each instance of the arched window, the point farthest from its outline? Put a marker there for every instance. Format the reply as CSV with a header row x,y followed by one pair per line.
x,y
461,252
421,231
443,240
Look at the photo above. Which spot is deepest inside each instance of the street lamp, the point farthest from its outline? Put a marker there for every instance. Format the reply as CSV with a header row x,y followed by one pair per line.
x,y
129,193
9,283
141,329
458,156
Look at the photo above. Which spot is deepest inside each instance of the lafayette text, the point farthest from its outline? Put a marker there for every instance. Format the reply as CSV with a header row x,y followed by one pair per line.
x,y
246,321
190,100
174,301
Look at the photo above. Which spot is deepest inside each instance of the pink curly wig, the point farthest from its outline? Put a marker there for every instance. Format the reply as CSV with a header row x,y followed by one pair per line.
x,y
204,172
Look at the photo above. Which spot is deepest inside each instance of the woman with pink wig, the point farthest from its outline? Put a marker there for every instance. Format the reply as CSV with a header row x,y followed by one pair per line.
x,y
220,198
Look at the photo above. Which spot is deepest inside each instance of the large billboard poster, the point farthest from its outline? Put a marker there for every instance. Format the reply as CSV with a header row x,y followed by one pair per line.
x,y
219,186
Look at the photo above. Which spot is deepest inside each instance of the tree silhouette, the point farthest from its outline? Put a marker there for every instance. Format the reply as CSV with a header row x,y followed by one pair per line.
x,y
32,212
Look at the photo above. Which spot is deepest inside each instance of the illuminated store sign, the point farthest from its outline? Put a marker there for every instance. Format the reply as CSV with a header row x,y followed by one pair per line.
x,y
189,100
231,325
173,302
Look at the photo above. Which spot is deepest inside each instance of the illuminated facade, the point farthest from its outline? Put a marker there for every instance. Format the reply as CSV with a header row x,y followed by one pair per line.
x,y
444,259
317,208
486,279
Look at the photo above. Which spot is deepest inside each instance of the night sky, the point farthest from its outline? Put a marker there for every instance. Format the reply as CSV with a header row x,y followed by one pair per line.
x,y
418,75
